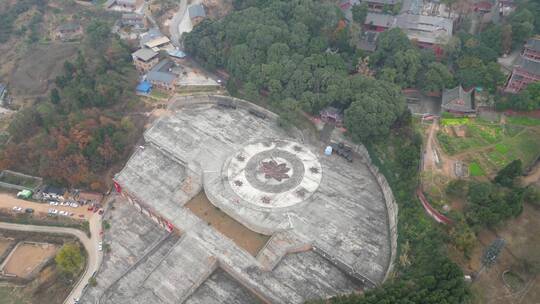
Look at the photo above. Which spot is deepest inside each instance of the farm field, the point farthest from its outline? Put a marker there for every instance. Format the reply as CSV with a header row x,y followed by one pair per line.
x,y
486,146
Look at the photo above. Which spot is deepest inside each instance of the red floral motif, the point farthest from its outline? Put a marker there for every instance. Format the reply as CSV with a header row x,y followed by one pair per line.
x,y
272,169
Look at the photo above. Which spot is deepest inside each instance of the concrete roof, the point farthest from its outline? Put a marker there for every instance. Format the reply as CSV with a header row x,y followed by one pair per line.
x,y
157,42
196,10
342,217
144,54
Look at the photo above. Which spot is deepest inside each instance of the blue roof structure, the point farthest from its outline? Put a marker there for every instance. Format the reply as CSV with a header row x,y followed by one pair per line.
x,y
144,87
176,54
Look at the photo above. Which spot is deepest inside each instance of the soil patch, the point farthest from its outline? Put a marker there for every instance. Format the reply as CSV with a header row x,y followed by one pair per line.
x,y
251,241
4,245
28,257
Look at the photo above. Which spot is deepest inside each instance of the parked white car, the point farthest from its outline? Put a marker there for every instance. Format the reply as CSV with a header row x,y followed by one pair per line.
x,y
53,211
74,205
17,209
53,203
62,212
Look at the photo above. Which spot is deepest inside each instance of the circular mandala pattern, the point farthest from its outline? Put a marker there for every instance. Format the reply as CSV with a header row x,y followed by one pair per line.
x,y
273,173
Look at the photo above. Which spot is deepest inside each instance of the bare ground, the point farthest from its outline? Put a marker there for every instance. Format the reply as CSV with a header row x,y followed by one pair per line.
x,y
28,257
251,241
521,255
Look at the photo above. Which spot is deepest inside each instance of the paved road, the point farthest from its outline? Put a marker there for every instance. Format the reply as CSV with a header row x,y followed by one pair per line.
x,y
90,244
174,26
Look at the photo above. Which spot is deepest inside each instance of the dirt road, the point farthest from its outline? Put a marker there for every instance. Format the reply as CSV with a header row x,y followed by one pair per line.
x,y
177,20
533,177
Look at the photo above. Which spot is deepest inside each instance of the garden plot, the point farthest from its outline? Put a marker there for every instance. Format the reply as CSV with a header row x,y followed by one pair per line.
x,y
487,147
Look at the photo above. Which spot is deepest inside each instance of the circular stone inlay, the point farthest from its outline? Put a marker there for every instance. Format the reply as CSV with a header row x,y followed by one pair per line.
x,y
274,173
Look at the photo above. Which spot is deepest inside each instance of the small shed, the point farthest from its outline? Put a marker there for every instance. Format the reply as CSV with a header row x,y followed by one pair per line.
x,y
332,115
144,87
24,194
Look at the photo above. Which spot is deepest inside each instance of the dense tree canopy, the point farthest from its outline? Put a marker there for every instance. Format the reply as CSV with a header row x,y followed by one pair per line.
x,y
374,107
506,176
297,51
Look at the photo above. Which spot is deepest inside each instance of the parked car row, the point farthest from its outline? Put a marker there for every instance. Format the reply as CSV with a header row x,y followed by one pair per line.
x,y
20,209
66,204
60,212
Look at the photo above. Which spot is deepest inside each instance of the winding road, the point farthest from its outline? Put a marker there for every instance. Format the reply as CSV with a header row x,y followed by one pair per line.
x,y
174,26
90,244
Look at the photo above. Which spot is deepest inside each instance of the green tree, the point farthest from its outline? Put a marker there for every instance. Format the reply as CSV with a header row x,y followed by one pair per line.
x,y
437,78
506,176
359,13
70,259
55,96
373,111
522,21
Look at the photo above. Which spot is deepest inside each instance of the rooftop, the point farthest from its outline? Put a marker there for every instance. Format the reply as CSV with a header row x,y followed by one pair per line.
x,y
457,99
196,10
144,54
161,72
330,212
157,42
533,44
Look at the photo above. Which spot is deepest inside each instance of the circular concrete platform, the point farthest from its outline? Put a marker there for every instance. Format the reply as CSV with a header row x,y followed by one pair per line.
x,y
273,173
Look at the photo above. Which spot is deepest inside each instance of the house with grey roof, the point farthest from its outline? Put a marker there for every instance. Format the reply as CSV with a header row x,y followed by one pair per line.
x,y
196,13
144,59
162,76
459,101
426,31
136,21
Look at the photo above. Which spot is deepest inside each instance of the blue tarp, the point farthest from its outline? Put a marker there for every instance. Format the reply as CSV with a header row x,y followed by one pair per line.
x,y
144,87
